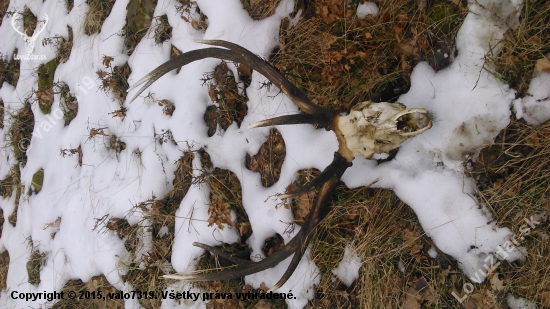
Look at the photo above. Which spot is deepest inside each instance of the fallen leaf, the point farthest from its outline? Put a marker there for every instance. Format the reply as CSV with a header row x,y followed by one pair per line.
x,y
496,283
543,64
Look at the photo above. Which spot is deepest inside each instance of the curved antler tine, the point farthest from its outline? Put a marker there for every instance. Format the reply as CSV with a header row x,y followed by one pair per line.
x,y
297,245
319,210
175,63
239,54
318,181
276,77
292,119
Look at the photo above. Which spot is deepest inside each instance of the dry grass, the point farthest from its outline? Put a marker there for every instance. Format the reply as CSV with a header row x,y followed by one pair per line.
x,y
98,12
11,183
191,13
4,4
68,102
73,151
63,45
115,81
522,47
34,265
95,285
9,69
163,30
20,133
1,113
138,22
145,271
339,59
260,9
4,264
514,183
231,100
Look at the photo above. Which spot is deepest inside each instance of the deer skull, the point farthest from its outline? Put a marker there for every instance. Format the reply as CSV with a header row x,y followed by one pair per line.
x,y
372,128
369,128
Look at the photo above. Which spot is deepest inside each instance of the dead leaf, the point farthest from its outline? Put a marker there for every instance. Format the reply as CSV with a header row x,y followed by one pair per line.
x,y
412,300
263,304
496,283
107,61
543,64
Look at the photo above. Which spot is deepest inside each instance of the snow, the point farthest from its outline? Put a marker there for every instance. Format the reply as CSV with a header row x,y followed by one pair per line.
x,y
519,303
367,8
469,105
535,108
348,269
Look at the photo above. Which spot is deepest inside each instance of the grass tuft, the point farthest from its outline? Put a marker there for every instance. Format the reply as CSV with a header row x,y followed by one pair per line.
x,y
4,265
20,132
524,46
191,13
98,12
269,159
73,151
9,70
63,45
68,101
138,21
260,9
93,287
163,30
116,81
230,98
34,265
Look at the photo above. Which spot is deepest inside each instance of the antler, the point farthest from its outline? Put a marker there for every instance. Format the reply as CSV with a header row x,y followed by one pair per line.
x,y
297,245
369,128
313,113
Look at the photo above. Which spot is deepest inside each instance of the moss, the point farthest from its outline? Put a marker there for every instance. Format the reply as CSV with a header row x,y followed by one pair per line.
x,y
46,73
138,21
38,180
442,17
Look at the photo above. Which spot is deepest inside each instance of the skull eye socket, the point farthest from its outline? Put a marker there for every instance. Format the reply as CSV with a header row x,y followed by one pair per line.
x,y
413,122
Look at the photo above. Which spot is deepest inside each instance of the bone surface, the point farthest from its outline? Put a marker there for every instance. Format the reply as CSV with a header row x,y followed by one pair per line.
x,y
372,128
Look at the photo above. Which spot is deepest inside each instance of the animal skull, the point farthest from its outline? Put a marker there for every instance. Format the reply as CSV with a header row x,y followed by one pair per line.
x,y
372,128
369,128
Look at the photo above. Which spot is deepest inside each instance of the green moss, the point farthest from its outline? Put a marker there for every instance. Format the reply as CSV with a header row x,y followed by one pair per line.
x,y
46,73
442,17
138,17
38,180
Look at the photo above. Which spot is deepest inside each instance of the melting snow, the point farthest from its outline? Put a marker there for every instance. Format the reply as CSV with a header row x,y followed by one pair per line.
x,y
469,105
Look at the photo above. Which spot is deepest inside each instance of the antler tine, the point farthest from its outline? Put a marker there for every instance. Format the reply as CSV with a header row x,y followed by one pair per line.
x,y
318,181
291,119
276,77
297,245
239,54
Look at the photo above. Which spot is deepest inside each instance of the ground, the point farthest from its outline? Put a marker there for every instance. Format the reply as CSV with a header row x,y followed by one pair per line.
x,y
116,192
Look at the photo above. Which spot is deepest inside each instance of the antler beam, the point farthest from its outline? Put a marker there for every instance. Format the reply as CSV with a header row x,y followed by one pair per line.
x,y
368,129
